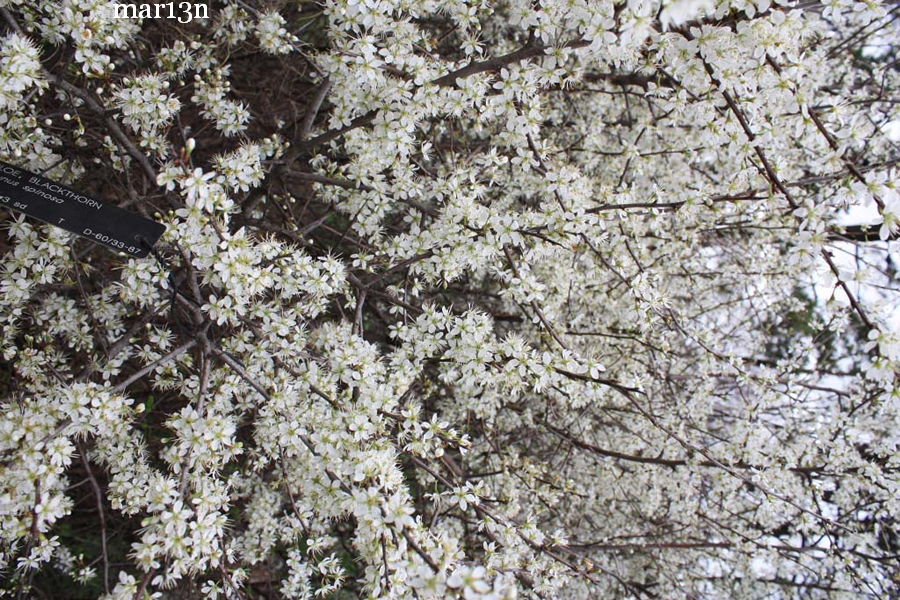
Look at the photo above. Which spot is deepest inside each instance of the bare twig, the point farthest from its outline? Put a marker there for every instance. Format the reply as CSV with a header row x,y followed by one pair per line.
x,y
98,494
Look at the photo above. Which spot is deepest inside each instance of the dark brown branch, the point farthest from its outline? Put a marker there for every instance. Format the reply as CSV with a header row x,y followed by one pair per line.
x,y
861,233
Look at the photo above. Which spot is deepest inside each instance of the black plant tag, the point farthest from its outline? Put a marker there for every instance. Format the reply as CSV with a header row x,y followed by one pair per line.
x,y
58,205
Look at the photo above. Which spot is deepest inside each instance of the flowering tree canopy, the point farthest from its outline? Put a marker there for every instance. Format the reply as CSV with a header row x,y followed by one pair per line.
x,y
457,299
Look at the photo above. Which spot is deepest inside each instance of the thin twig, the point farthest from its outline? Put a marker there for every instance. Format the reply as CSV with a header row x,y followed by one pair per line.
x,y
98,494
173,354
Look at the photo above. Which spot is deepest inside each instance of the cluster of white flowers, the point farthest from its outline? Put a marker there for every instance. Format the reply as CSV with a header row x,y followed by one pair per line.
x,y
457,299
146,107
272,35
20,70
230,116
90,26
